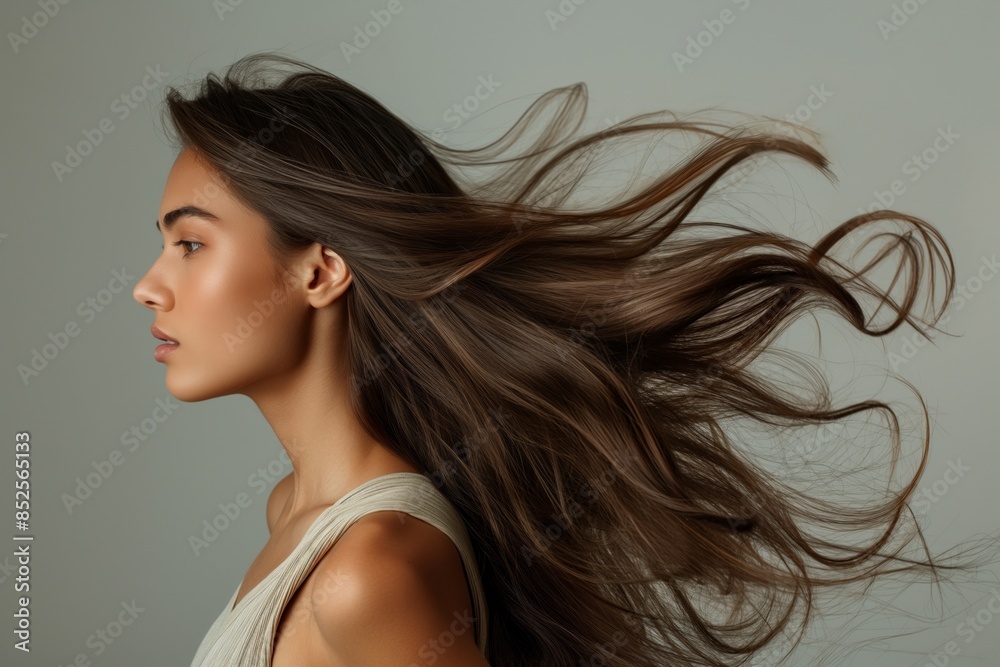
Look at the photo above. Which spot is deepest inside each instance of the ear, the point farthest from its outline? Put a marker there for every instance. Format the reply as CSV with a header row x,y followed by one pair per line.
x,y
327,273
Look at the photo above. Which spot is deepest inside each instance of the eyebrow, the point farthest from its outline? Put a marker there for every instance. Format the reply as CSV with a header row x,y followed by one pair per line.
x,y
185,211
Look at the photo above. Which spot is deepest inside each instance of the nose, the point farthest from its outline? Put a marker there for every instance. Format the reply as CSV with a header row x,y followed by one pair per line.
x,y
151,293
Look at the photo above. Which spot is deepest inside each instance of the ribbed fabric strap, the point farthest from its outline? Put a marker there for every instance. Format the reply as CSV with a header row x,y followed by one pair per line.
x,y
244,637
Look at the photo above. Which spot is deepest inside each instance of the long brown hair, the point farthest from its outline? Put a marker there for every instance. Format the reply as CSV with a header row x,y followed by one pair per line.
x,y
570,377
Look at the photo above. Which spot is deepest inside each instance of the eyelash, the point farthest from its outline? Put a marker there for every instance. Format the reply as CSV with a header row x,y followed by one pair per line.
x,y
188,243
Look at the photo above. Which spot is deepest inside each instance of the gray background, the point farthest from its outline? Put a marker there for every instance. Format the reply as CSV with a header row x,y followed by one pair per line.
x,y
887,95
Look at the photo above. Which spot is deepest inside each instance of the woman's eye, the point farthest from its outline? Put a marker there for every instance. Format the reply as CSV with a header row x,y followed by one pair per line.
x,y
187,244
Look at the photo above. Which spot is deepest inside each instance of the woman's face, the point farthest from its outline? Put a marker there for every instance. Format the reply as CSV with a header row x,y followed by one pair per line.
x,y
221,295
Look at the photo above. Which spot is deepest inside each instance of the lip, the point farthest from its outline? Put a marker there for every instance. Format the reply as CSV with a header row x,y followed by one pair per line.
x,y
163,351
158,333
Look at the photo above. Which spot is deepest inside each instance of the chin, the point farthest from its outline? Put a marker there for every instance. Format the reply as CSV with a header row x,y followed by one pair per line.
x,y
200,384
191,390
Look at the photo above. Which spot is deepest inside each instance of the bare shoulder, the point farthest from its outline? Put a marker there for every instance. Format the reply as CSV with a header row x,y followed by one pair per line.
x,y
276,500
392,590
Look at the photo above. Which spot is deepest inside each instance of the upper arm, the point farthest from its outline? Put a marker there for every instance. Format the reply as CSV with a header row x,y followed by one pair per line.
x,y
276,500
395,601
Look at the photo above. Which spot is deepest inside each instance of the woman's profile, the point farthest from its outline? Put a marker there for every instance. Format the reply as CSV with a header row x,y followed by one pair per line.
x,y
511,419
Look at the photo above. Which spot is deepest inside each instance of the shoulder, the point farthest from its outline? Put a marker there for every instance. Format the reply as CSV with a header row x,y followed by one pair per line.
x,y
392,590
276,501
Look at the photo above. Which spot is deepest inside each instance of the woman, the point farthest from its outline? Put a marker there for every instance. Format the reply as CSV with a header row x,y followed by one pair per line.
x,y
505,415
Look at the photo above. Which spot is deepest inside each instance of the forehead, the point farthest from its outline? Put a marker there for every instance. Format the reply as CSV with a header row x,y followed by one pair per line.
x,y
191,174
192,181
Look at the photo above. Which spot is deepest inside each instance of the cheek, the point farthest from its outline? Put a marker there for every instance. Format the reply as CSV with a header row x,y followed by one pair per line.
x,y
222,304
240,329
269,330
261,327
242,322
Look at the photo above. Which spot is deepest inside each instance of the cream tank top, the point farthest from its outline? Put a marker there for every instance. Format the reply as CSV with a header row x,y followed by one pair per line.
x,y
244,636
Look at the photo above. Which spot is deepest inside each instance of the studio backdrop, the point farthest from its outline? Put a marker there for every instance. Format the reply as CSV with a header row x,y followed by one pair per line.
x,y
143,512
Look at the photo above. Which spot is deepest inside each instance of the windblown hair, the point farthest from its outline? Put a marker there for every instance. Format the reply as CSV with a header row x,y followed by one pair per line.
x,y
570,377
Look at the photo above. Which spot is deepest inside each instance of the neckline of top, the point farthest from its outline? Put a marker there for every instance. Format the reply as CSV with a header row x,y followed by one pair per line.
x,y
231,608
